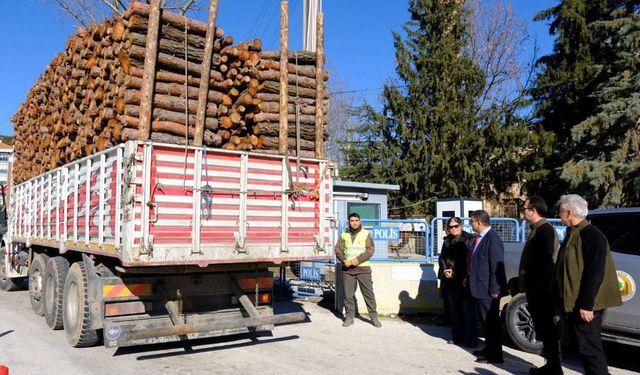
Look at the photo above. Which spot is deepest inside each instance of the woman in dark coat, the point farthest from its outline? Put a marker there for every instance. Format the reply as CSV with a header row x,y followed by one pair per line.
x,y
453,270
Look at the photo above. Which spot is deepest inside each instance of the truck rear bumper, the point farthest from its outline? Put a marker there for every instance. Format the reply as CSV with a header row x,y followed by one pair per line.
x,y
146,330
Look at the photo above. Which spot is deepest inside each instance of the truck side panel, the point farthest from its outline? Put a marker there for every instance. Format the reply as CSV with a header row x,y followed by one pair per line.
x,y
156,204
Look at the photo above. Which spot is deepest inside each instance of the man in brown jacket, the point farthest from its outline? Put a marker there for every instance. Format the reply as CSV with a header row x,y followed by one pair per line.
x,y
354,248
585,282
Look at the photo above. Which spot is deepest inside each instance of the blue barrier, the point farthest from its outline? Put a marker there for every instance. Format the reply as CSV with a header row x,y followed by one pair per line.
x,y
398,240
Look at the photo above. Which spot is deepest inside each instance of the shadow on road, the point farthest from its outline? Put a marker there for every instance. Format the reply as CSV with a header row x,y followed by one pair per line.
x,y
6,333
192,347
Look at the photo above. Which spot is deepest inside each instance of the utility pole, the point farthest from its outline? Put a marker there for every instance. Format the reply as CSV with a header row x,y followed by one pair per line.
x,y
310,11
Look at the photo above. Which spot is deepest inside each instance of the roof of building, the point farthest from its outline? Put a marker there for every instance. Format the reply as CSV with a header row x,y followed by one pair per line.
x,y
5,147
365,185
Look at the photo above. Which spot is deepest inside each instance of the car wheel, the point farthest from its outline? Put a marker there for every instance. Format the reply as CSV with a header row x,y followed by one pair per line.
x,y
519,325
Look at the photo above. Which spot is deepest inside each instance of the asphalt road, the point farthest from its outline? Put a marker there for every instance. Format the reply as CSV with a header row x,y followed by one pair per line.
x,y
319,346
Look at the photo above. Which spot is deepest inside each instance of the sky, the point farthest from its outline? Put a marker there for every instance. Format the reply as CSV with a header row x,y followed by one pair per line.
x,y
358,39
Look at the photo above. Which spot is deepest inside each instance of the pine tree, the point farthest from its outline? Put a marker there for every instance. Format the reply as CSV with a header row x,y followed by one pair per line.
x,y
422,139
432,137
606,163
563,88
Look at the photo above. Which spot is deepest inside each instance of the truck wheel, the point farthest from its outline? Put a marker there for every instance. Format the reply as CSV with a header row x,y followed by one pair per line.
x,y
54,277
6,283
76,317
36,281
520,325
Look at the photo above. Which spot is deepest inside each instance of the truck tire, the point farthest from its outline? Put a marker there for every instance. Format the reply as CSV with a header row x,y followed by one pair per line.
x,y
76,316
36,281
7,283
54,277
519,325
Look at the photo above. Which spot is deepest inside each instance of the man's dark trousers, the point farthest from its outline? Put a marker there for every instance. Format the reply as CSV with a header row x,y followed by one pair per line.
x,y
351,282
489,313
589,341
542,312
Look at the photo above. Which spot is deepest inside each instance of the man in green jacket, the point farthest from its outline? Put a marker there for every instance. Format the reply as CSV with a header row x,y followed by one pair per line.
x,y
585,282
354,248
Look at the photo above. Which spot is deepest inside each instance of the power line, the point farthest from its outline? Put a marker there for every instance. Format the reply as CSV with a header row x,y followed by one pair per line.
x,y
367,90
258,21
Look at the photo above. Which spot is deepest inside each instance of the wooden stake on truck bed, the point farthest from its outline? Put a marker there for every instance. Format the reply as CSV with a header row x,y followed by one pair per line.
x,y
149,75
319,86
284,79
206,71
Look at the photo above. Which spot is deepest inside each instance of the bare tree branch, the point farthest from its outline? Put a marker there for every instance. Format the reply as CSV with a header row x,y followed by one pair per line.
x,y
71,12
186,7
112,6
496,42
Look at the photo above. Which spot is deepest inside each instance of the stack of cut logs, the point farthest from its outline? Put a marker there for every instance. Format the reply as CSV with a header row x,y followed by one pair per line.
x,y
88,98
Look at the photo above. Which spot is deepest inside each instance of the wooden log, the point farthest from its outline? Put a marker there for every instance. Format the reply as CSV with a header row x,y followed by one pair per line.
x,y
272,129
170,77
274,98
133,134
292,79
282,88
319,120
148,80
175,89
170,103
171,47
160,114
294,57
291,118
272,107
206,70
172,63
172,19
274,88
176,34
300,70
210,138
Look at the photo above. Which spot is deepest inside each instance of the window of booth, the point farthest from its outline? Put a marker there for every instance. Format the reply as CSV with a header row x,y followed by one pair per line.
x,y
367,211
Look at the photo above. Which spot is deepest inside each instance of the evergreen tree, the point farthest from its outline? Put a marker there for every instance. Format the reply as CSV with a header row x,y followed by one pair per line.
x,y
605,165
422,139
432,137
563,88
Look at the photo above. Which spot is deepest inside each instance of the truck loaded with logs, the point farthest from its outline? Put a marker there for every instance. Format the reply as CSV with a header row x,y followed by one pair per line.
x,y
160,171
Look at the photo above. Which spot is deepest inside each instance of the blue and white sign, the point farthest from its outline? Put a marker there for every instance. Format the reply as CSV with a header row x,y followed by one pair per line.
x,y
385,233
562,232
310,273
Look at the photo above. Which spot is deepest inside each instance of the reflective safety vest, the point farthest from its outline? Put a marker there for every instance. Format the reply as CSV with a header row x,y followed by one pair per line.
x,y
359,245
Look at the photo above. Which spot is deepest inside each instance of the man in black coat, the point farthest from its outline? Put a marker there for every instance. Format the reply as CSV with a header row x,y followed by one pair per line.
x,y
487,282
535,279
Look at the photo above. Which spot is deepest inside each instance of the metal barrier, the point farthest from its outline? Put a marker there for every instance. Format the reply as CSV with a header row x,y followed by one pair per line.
x,y
507,228
560,228
312,278
398,240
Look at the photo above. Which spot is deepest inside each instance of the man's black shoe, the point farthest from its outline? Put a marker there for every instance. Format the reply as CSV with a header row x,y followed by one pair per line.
x,y
479,353
493,360
547,369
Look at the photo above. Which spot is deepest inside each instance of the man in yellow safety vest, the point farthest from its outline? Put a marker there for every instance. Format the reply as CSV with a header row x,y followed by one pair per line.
x,y
354,248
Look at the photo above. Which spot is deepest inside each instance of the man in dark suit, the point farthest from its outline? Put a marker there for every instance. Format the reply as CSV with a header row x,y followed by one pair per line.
x,y
487,282
535,278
